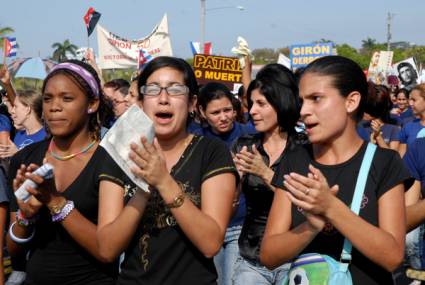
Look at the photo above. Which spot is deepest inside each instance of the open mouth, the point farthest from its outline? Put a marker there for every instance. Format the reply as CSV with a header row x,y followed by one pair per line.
x,y
163,117
308,127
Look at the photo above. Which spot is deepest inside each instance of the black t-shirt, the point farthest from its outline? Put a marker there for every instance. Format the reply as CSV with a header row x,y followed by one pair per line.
x,y
259,198
55,258
160,253
387,171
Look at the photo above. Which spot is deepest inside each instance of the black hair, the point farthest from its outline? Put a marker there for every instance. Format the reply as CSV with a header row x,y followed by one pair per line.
x,y
347,77
97,118
279,86
212,91
404,91
412,69
174,63
378,102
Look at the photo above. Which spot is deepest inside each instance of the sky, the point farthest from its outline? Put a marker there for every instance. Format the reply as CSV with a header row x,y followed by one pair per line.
x,y
263,23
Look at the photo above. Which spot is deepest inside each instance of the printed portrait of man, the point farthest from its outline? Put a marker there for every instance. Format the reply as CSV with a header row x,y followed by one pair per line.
x,y
407,74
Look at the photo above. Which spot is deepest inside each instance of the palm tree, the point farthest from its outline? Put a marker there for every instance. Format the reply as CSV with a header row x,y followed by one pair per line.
x,y
3,32
368,44
61,49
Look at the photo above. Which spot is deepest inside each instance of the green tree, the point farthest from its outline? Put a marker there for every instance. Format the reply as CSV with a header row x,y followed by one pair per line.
x,y
352,53
3,32
368,45
265,55
418,52
61,49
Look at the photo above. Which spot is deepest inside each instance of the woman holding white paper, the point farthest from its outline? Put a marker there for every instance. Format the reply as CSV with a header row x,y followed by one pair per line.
x,y
58,224
172,234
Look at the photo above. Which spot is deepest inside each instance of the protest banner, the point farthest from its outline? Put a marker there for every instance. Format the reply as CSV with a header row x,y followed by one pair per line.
x,y
117,52
302,55
379,67
226,70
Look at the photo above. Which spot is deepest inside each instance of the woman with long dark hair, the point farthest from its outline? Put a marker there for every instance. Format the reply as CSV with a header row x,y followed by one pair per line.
x,y
170,235
274,107
311,212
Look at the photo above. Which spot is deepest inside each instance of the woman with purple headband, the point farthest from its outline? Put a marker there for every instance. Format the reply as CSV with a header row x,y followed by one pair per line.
x,y
58,223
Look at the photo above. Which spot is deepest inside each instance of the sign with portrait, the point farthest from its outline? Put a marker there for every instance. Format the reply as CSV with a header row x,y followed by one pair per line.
x,y
407,72
380,65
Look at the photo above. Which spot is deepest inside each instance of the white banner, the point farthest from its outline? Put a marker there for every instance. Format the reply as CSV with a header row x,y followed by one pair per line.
x,y
117,52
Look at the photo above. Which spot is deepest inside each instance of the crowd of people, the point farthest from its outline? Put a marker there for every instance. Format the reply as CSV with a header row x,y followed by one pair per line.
x,y
242,186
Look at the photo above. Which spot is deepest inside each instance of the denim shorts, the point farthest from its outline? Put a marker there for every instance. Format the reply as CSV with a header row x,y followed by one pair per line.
x,y
249,272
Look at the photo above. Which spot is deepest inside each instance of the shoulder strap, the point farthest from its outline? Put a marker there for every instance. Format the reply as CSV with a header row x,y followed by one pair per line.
x,y
358,194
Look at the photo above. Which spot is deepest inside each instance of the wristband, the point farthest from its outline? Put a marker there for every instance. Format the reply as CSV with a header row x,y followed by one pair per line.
x,y
65,211
23,221
17,239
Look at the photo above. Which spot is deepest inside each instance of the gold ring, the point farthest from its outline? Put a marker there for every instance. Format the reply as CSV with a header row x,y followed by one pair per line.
x,y
307,191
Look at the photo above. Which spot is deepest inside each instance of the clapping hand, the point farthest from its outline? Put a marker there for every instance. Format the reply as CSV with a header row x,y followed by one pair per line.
x,y
251,162
312,194
150,162
31,207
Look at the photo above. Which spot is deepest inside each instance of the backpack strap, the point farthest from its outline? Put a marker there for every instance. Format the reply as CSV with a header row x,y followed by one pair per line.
x,y
358,195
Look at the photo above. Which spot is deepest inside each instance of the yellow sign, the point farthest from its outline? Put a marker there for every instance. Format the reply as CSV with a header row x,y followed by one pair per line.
x,y
222,69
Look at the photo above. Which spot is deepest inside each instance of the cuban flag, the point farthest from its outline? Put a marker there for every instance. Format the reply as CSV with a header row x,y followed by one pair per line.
x,y
196,48
10,46
144,58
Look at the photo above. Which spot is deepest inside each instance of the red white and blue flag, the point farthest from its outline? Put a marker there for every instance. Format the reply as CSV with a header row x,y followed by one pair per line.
x,y
90,19
10,47
144,58
196,48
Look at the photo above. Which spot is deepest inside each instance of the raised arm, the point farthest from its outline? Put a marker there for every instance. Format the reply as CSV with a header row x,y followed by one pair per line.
x,y
82,230
7,82
281,243
115,217
205,226
384,244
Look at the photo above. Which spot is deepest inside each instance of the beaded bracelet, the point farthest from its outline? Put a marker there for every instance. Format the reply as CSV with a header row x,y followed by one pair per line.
x,y
23,221
17,239
66,210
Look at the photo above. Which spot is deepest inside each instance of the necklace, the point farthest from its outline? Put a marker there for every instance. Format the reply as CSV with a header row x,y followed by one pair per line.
x,y
70,156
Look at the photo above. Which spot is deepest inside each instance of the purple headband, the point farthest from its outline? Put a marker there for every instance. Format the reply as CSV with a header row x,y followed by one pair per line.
x,y
84,74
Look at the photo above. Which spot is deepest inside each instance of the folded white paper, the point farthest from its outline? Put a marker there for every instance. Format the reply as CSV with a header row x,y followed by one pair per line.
x,y
242,50
129,128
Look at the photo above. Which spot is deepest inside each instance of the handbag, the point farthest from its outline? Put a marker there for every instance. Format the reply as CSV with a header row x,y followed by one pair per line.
x,y
321,269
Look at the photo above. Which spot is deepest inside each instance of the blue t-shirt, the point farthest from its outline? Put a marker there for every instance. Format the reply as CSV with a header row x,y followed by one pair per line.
x,y
21,139
229,138
5,125
389,132
415,161
404,117
412,131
